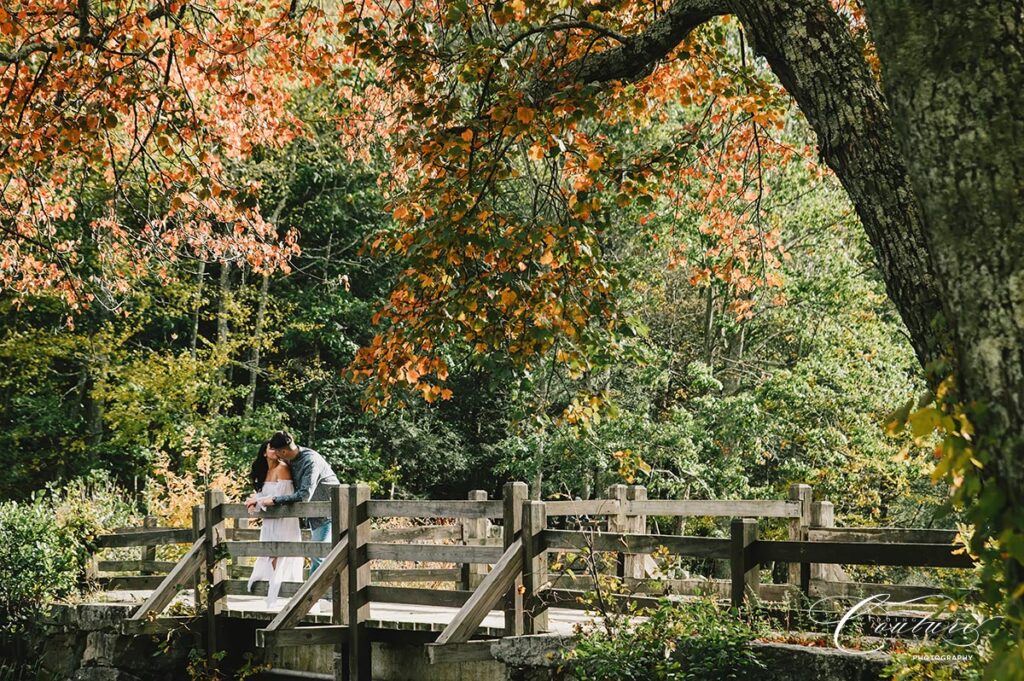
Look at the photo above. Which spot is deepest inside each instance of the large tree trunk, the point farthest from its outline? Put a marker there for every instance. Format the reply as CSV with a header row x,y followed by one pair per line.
x,y
953,73
811,50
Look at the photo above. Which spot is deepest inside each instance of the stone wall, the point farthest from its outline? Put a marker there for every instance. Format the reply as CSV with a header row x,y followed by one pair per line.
x,y
84,643
537,658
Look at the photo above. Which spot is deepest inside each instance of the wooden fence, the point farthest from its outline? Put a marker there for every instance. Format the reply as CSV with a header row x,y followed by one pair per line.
x,y
508,568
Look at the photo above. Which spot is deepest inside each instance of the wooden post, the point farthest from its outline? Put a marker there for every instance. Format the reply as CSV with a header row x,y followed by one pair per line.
x,y
359,659
198,525
798,526
823,515
214,530
745,571
619,523
92,571
535,566
474,533
339,609
149,551
634,564
513,496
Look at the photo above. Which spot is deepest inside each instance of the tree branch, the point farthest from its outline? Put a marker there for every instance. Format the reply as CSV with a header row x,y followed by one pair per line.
x,y
82,14
639,53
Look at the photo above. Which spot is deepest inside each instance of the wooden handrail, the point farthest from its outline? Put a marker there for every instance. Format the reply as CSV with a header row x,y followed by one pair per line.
x,y
735,508
440,553
434,508
144,537
861,553
164,594
312,588
491,590
598,507
882,535
277,549
693,547
301,509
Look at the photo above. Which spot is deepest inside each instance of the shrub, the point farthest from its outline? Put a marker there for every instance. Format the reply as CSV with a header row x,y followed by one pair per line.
x,y
172,491
47,541
38,563
694,641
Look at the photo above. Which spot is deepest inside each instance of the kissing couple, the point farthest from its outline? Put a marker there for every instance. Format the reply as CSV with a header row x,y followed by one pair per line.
x,y
282,474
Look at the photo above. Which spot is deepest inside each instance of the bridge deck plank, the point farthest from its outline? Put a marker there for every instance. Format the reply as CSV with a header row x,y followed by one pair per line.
x,y
382,615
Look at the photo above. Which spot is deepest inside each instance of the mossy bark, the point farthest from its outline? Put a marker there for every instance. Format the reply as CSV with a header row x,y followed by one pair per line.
x,y
811,50
953,73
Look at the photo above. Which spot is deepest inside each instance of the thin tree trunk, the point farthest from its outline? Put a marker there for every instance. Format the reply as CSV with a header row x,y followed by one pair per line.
x,y
200,276
224,302
538,475
92,406
731,373
539,457
257,339
314,414
709,327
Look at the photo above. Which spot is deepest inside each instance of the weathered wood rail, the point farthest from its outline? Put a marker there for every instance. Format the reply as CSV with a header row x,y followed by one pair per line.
x,y
506,567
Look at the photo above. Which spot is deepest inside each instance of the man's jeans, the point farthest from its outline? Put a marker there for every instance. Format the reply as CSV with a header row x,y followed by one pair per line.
x,y
321,534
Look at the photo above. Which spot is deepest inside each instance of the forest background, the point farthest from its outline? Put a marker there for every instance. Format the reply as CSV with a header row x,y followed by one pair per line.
x,y
744,361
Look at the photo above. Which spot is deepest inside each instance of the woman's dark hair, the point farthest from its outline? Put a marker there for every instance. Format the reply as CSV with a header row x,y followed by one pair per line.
x,y
260,468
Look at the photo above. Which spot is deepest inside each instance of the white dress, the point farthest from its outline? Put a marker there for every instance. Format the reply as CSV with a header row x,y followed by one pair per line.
x,y
289,569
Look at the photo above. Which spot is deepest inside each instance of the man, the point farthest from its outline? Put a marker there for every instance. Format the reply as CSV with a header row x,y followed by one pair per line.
x,y
313,479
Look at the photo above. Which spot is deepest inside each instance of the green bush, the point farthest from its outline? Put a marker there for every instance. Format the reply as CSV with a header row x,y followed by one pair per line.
x,y
47,541
696,641
38,561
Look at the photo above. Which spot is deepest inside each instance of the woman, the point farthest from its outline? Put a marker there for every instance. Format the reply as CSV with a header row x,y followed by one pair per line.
x,y
271,477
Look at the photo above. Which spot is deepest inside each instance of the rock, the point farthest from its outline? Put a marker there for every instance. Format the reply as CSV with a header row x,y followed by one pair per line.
x,y
103,674
100,617
789,662
538,650
58,651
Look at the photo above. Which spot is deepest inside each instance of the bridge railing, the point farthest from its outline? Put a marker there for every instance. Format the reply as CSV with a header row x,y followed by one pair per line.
x,y
110,574
507,566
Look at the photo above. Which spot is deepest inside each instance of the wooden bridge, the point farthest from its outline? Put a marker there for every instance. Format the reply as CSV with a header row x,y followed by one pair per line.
x,y
507,584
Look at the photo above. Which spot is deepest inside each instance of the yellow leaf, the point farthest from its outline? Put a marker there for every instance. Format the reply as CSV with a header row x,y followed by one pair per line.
x,y
547,258
524,114
924,421
595,161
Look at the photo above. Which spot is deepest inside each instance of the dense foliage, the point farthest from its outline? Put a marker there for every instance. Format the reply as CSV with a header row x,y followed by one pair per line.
x,y
695,401
47,541
450,244
695,641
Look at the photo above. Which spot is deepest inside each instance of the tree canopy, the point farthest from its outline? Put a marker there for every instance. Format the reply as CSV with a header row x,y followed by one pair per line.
x,y
578,195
